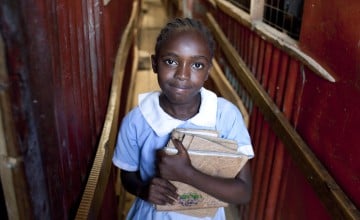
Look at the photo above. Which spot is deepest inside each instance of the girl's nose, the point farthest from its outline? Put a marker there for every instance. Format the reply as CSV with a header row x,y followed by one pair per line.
x,y
182,72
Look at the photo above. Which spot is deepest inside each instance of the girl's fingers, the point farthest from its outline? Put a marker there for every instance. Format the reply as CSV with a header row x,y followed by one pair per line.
x,y
162,192
179,146
166,186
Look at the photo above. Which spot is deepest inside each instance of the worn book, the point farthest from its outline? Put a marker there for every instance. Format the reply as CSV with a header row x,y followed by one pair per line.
x,y
211,155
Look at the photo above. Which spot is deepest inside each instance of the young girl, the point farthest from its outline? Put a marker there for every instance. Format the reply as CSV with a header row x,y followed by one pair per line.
x,y
182,62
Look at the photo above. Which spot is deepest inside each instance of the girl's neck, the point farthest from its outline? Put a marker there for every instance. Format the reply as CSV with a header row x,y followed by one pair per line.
x,y
180,111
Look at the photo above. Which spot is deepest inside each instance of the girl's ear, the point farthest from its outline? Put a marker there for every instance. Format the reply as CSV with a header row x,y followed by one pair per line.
x,y
154,63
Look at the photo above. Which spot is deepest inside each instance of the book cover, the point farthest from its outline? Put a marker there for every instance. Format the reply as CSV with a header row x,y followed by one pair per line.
x,y
211,155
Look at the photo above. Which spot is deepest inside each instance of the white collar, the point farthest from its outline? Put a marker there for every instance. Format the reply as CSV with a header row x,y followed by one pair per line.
x,y
162,123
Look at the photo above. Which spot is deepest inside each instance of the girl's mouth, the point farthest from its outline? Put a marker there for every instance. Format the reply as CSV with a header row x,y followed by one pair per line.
x,y
180,86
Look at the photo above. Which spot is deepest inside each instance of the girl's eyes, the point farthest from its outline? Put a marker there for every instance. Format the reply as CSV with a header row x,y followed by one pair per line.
x,y
170,62
196,66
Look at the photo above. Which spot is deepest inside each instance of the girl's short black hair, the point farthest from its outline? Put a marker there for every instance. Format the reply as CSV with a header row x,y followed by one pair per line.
x,y
181,24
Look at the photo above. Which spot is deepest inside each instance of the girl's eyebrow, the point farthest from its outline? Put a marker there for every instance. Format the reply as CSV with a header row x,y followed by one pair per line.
x,y
169,54
201,57
193,57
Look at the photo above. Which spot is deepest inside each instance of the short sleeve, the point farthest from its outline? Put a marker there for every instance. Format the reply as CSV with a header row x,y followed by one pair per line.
x,y
231,125
127,153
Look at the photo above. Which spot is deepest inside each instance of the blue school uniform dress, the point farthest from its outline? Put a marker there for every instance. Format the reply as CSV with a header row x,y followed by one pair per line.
x,y
147,128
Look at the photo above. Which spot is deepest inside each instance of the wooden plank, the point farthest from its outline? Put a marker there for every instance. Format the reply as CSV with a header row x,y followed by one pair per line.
x,y
12,172
329,192
129,101
257,9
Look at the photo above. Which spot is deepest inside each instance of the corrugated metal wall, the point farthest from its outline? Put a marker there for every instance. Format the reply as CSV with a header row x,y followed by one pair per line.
x,y
60,58
281,77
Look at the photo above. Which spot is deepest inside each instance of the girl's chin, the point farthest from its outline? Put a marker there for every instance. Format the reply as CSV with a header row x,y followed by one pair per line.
x,y
181,99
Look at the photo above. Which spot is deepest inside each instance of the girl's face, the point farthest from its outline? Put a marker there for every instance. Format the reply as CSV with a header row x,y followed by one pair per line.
x,y
183,64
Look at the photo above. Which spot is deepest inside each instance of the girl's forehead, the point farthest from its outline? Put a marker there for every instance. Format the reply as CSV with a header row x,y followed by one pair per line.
x,y
186,33
186,39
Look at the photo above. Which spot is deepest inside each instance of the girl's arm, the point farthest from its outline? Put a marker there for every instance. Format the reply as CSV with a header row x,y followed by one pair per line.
x,y
232,190
157,191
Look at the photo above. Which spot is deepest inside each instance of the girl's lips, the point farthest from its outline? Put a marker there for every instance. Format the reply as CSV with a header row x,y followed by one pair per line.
x,y
179,86
180,90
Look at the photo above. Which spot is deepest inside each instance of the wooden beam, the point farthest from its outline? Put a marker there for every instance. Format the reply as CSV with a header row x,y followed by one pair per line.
x,y
12,171
257,9
329,192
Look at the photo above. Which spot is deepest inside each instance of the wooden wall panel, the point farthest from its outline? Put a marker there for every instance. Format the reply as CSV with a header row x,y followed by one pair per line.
x,y
60,57
329,117
81,98
29,65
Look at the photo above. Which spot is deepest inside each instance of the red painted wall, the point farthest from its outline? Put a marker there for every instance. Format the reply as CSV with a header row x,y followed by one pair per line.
x,y
116,16
60,57
329,118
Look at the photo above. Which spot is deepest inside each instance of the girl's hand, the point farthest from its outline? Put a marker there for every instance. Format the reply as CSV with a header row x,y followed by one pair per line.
x,y
159,191
174,167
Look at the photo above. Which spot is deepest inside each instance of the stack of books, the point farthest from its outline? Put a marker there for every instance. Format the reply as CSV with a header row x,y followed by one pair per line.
x,y
211,155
